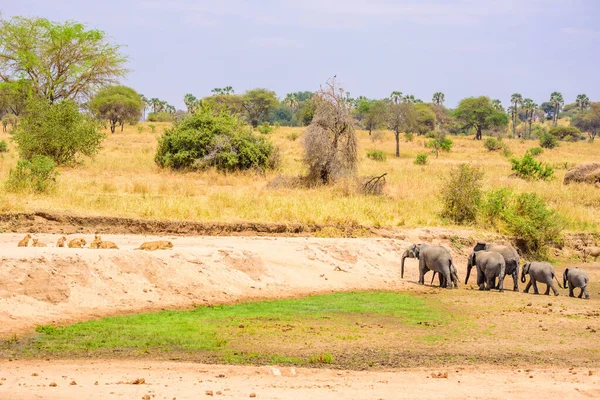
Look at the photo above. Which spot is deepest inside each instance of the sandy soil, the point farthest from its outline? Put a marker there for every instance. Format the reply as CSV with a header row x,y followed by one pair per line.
x,y
59,285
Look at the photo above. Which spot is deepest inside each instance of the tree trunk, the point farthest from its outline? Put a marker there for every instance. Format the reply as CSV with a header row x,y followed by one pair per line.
x,y
113,125
478,134
397,134
122,126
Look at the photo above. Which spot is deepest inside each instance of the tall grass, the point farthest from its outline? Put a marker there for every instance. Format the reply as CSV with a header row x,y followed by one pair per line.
x,y
124,181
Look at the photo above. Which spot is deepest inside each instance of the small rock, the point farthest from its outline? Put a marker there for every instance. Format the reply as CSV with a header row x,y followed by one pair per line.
x,y
34,374
590,373
96,383
146,397
53,384
209,392
252,394
73,383
219,393
241,326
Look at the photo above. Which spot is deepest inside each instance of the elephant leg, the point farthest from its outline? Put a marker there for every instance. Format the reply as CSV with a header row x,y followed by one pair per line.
x,y
571,289
422,270
554,289
515,280
585,292
547,292
580,293
527,286
535,288
447,279
489,283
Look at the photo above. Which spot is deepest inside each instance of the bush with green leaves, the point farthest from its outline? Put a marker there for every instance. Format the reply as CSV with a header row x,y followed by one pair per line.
x,y
461,194
3,147
535,151
58,131
548,141
529,168
493,144
37,175
376,155
494,205
160,116
408,137
421,159
567,133
265,128
205,139
438,143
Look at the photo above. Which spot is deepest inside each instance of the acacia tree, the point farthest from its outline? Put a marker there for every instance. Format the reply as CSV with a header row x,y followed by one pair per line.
x,y
557,101
372,112
60,61
438,98
400,118
589,121
257,103
330,144
479,114
117,104
515,99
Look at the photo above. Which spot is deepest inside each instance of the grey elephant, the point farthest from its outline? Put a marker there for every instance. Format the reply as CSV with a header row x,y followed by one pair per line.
x,y
541,272
453,277
490,266
432,258
575,277
511,259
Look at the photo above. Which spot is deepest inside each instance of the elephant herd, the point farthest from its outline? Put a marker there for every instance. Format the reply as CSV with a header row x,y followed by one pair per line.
x,y
493,262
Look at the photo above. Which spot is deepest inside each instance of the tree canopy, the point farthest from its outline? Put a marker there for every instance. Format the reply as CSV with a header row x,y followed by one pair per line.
x,y
60,61
589,121
258,103
117,104
479,113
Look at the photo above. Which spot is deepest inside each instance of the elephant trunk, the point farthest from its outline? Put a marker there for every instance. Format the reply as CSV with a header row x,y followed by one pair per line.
x,y
404,256
565,276
470,266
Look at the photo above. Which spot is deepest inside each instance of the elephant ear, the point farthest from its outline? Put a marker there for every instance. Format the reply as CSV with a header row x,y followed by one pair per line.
x,y
479,246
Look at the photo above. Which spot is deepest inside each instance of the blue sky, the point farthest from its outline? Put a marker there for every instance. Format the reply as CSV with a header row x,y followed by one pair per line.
x,y
459,47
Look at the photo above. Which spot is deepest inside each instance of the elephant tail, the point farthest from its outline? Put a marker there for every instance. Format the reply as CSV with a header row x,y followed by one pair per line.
x,y
556,279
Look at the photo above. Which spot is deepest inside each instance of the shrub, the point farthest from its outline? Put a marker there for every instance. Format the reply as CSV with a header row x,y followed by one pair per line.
x,y
535,151
161,116
322,358
376,155
421,159
537,131
528,168
461,194
204,139
533,223
494,205
140,129
408,137
58,131
378,136
292,136
439,143
38,175
265,128
152,128
493,144
565,132
548,141
3,147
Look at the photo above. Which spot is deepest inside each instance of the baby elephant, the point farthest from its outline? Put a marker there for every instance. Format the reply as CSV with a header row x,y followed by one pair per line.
x,y
575,277
490,265
539,272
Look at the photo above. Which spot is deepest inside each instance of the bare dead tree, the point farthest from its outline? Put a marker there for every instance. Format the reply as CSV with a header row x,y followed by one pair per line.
x,y
330,144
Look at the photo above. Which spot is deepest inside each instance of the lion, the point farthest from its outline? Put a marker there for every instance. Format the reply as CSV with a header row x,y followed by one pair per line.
x,y
37,243
107,245
590,251
25,241
61,242
158,245
96,242
77,243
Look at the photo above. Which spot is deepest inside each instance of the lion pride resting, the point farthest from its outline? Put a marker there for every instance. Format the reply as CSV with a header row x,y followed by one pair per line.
x,y
98,243
158,245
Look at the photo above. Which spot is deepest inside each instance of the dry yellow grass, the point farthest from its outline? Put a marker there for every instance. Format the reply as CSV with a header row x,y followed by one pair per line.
x,y
124,181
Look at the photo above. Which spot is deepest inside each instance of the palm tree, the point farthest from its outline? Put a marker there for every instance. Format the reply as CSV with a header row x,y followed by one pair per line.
x,y
556,98
529,106
145,103
291,100
438,98
497,104
515,99
228,90
409,98
154,104
396,97
218,91
583,102
189,100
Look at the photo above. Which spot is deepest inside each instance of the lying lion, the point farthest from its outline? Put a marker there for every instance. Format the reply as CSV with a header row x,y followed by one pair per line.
x,y
25,241
77,243
96,242
107,245
37,243
158,245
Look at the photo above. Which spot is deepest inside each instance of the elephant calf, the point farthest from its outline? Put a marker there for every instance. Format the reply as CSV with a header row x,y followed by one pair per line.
x,y
539,272
490,265
575,277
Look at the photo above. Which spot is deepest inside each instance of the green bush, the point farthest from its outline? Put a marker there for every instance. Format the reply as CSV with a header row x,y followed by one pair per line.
x,y
292,136
58,131
140,129
439,143
152,128
567,133
494,205
528,168
37,175
3,147
421,159
548,141
408,137
493,144
535,151
265,128
461,194
376,155
161,116
204,139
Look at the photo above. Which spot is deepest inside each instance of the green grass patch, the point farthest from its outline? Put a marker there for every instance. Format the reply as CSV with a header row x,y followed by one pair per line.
x,y
234,333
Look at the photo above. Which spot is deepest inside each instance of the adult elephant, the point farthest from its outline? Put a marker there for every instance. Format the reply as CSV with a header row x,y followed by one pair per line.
x,y
490,265
432,258
511,259
542,272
